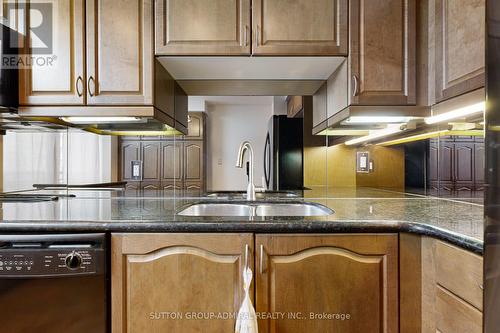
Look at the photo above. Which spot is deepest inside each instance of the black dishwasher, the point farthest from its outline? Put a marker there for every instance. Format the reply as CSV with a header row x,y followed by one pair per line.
x,y
53,283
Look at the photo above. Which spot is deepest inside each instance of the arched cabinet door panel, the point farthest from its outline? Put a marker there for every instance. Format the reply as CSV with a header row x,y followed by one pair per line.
x,y
160,280
334,283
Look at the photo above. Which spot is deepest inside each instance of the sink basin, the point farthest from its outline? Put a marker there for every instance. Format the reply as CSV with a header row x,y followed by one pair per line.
x,y
292,209
256,209
258,195
217,209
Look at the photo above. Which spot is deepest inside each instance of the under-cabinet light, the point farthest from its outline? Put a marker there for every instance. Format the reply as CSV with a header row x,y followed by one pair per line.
x,y
430,135
101,120
343,132
376,119
377,134
457,113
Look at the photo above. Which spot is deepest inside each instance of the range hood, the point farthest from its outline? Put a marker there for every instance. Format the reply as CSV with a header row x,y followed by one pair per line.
x,y
250,76
166,116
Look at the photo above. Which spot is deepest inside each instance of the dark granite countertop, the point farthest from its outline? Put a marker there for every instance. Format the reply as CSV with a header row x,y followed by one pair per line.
x,y
456,220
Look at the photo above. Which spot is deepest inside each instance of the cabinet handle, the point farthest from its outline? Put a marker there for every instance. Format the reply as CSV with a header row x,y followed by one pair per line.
x,y
91,79
356,84
245,36
257,37
261,259
79,81
481,287
246,256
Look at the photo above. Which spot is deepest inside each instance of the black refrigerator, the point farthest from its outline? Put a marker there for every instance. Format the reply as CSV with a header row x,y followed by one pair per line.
x,y
283,154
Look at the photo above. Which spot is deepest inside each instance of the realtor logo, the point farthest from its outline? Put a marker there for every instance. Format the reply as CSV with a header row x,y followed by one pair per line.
x,y
39,32
29,39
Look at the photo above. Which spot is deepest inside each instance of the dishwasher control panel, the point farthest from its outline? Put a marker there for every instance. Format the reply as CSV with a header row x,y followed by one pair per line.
x,y
46,262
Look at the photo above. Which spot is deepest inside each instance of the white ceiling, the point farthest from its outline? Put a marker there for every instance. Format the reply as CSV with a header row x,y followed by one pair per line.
x,y
251,68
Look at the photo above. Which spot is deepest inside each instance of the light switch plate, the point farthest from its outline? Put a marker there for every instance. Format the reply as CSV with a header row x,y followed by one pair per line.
x,y
362,161
136,170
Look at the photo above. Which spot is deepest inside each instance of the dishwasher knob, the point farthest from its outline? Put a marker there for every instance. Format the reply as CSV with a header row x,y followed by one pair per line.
x,y
73,260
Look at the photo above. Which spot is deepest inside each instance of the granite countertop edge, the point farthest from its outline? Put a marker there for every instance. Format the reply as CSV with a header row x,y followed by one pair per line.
x,y
345,226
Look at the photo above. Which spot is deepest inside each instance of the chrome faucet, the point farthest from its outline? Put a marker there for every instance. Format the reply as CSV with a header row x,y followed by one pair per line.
x,y
244,146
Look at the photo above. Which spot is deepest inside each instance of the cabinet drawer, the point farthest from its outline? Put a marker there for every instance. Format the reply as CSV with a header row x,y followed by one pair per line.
x,y
453,315
460,272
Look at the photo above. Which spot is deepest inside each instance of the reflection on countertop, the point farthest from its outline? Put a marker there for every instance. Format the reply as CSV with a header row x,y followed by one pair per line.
x,y
356,210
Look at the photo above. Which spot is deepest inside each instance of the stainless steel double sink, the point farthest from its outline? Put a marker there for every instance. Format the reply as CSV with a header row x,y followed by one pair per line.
x,y
256,209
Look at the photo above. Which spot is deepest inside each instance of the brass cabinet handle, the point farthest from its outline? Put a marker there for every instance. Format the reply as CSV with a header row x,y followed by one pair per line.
x,y
261,259
91,79
245,36
79,81
356,85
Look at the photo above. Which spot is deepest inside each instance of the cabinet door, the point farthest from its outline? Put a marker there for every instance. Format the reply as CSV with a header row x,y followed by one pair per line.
x,y
307,276
153,275
464,166
383,51
171,186
60,80
300,27
460,36
196,126
445,163
193,161
295,104
151,186
129,151
119,52
201,27
479,165
171,162
150,152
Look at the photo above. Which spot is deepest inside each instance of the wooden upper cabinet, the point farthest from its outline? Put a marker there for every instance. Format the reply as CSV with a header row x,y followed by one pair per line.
x,y
355,275
383,52
61,82
460,48
155,274
299,27
120,52
196,126
201,27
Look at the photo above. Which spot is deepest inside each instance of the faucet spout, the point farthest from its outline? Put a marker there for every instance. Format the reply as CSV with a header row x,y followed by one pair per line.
x,y
246,146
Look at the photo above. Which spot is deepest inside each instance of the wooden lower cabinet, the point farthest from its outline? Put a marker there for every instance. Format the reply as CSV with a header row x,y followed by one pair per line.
x,y
305,281
302,283
160,281
451,281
